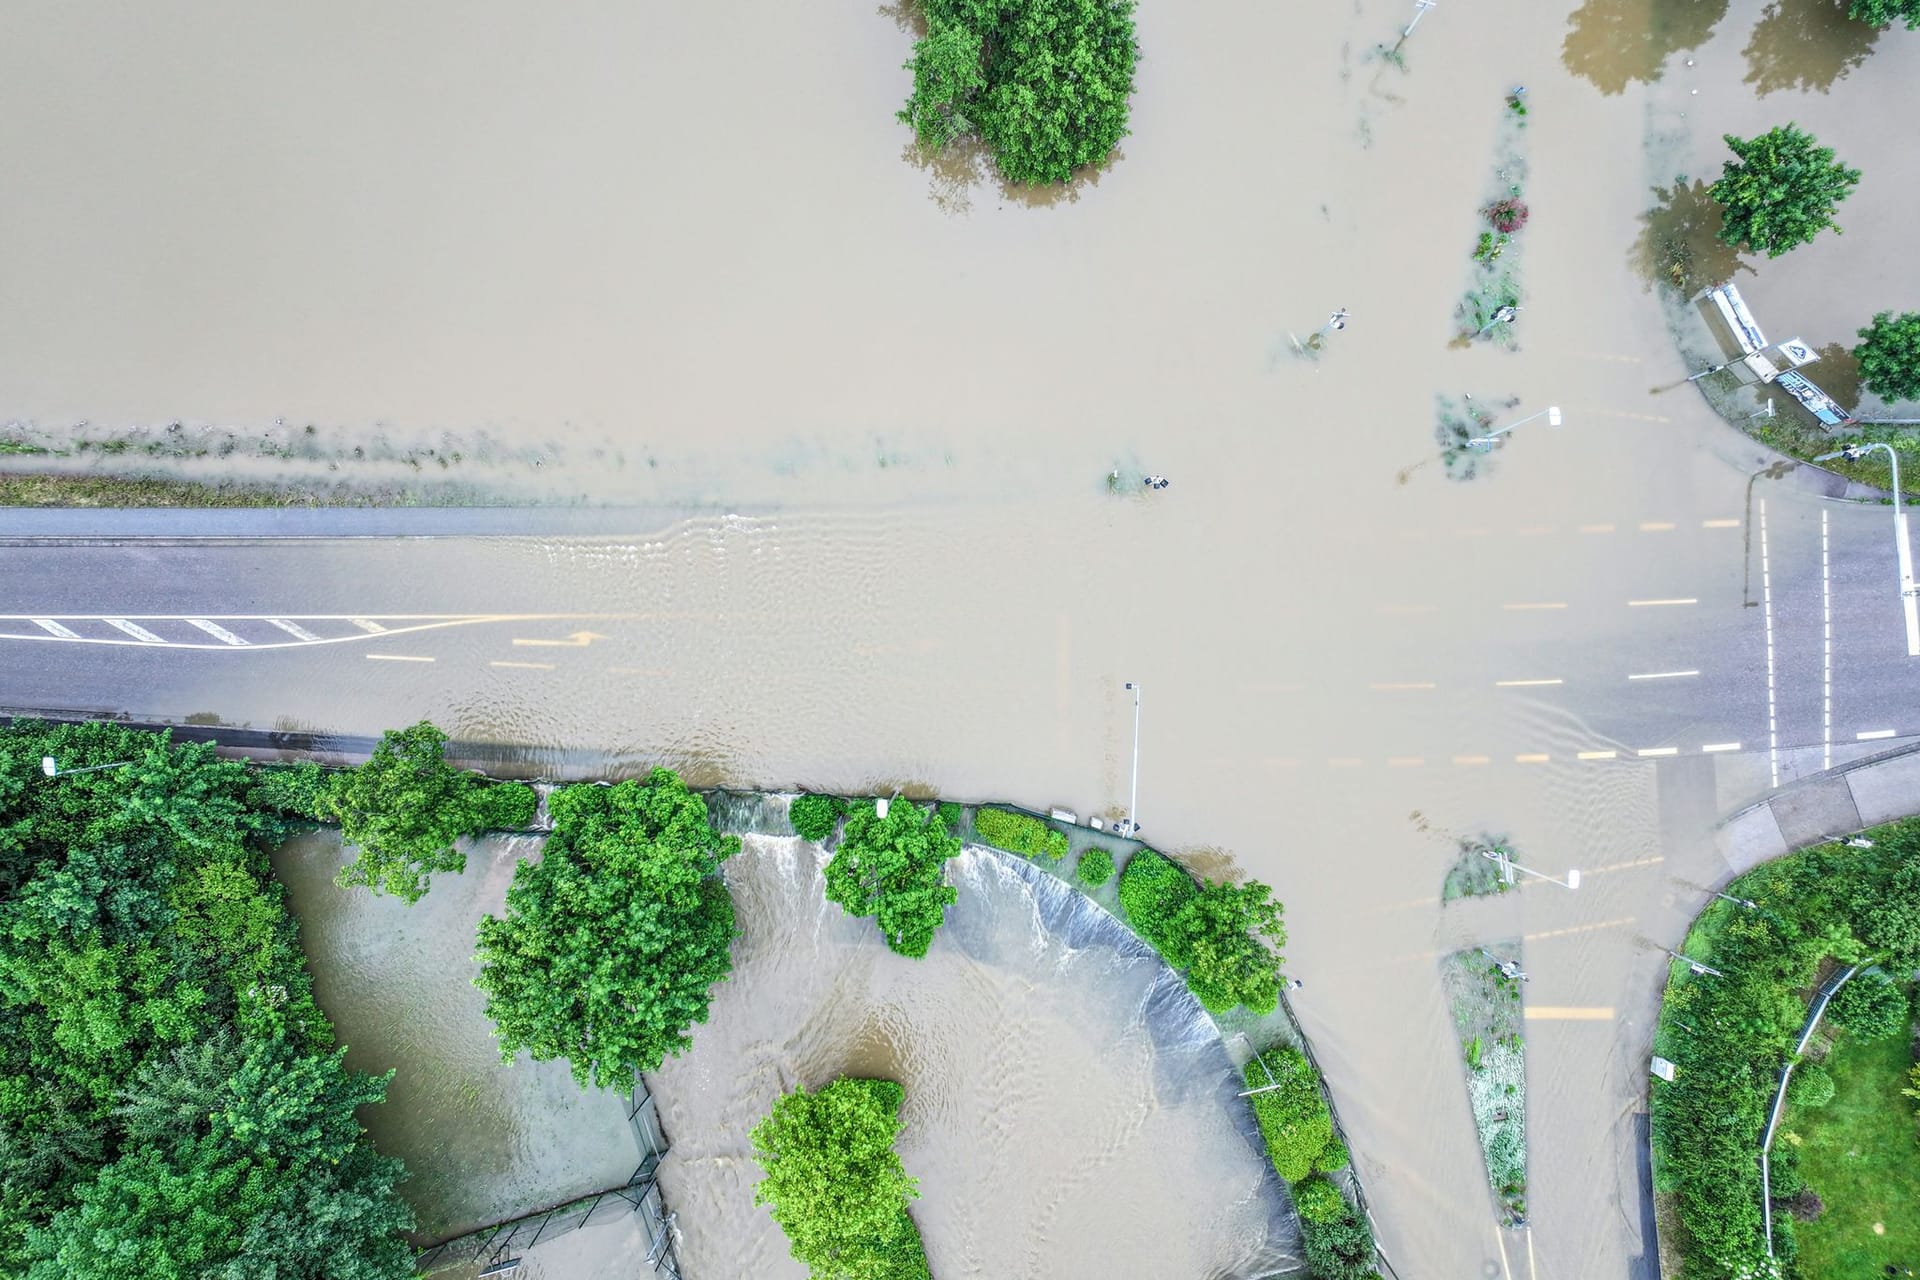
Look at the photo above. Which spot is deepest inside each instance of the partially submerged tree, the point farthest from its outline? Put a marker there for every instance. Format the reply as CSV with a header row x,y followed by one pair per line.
x,y
835,1184
612,941
1224,933
894,869
1781,192
405,807
1889,355
1044,83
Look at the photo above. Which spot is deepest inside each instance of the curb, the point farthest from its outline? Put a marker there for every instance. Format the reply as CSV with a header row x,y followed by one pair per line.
x,y
1823,806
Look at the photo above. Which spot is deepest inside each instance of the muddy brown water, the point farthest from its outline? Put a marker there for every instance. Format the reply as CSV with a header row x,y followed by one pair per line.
x,y
675,254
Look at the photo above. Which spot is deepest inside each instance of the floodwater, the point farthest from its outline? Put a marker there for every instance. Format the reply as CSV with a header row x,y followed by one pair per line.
x,y
675,255
1069,1109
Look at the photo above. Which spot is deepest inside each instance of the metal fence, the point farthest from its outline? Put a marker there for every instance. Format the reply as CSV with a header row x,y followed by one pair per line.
x,y
497,1250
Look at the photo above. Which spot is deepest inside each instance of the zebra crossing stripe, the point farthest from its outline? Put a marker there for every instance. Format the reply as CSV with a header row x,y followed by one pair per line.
x,y
293,629
138,632
54,628
371,628
217,631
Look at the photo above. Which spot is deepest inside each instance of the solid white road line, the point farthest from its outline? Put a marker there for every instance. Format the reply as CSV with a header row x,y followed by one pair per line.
x,y
1597,755
1659,751
54,628
1651,604
138,632
1873,734
293,629
1663,675
217,631
1523,684
1719,524
1721,746
1656,526
523,666
1534,758
1826,651
1766,595
395,657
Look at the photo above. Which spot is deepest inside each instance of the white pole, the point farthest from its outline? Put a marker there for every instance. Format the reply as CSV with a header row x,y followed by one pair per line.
x,y
1419,11
1907,597
1551,413
1133,802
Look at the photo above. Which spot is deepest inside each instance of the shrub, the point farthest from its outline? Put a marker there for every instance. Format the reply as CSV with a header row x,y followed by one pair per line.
x,y
814,817
300,789
1153,889
1783,1170
505,806
949,813
1889,918
1317,1199
1811,1086
1508,216
1341,1249
1095,869
1223,933
894,869
1871,1006
1019,833
1332,1157
1294,1119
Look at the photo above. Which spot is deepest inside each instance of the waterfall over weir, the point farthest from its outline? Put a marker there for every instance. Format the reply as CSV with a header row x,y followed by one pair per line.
x,y
1069,1110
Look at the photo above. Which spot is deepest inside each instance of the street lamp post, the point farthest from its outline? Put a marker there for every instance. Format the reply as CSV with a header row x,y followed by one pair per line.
x,y
52,768
1551,413
1908,600
1508,866
1420,8
1132,826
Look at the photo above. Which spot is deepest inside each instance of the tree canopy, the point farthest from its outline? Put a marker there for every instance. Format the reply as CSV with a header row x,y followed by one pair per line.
x,y
1224,932
894,869
835,1184
1044,83
171,1100
1884,13
1781,192
612,941
405,807
1889,355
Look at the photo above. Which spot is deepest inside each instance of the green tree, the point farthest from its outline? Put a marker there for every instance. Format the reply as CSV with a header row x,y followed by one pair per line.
x,y
1871,1007
1884,13
1095,868
1889,354
1317,1199
814,817
1045,83
1339,1250
835,1184
403,809
1153,890
1781,192
1811,1086
1219,935
1890,918
894,869
612,941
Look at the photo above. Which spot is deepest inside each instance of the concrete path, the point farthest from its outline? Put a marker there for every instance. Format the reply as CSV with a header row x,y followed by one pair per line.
x,y
1836,802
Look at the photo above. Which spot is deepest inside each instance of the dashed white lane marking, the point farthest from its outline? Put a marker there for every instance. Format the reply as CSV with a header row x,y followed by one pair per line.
x,y
1719,524
1663,675
1659,751
367,625
1650,604
1405,762
1721,746
217,631
1391,688
1766,595
1556,604
1871,734
395,657
1473,759
1523,684
293,629
1826,651
1656,526
523,666
135,630
1534,758
1597,755
54,628
1596,528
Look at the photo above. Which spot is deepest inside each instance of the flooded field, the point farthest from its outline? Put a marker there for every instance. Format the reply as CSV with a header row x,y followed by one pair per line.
x,y
642,253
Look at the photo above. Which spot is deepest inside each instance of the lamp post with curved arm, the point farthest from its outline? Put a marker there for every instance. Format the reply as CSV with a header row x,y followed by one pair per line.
x,y
1908,601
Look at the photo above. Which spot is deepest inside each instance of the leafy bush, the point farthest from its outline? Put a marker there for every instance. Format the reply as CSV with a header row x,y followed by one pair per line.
x,y
1044,83
1781,192
894,869
1153,889
1810,1086
299,789
172,1102
504,806
949,813
1095,869
1871,1006
611,943
1783,1169
835,1184
1341,1249
1888,918
1294,1119
1317,1199
1332,1157
814,817
1889,350
1019,833
1223,933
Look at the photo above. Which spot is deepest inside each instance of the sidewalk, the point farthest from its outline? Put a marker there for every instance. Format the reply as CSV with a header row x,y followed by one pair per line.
x,y
1840,801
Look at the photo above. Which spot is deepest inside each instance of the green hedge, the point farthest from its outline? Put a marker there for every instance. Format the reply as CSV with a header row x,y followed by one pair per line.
x,y
814,817
1153,888
1318,1200
299,790
505,806
1294,1118
1341,1249
1728,1036
1018,833
1095,869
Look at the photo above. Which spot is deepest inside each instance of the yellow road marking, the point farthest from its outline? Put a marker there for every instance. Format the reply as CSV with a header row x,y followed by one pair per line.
x,y
1568,1013
524,666
1625,866
1656,526
1579,928
1598,755
578,640
1719,524
640,671
1540,758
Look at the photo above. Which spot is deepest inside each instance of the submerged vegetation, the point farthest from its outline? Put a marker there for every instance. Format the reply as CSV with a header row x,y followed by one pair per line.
x,y
1492,301
835,1184
1043,83
1483,994
173,1103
